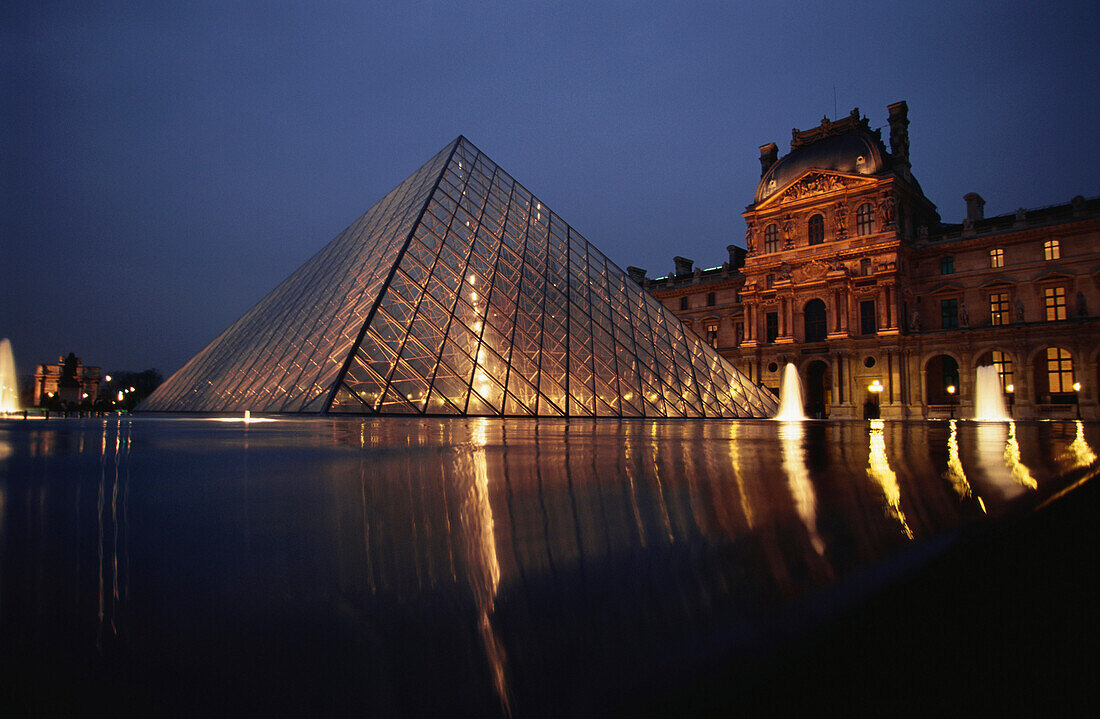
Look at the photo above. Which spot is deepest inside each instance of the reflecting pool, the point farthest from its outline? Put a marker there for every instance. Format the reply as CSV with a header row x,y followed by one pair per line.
x,y
477,567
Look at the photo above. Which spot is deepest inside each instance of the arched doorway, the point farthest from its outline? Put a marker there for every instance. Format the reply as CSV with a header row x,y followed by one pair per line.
x,y
941,374
815,321
819,383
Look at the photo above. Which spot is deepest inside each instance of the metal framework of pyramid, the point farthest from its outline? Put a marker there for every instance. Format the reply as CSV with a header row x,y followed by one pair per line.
x,y
460,293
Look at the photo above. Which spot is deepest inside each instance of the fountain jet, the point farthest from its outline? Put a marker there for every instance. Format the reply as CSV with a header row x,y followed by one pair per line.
x,y
989,403
9,385
790,396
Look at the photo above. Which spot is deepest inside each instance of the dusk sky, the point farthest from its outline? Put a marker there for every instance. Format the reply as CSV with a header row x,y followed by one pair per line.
x,y
163,168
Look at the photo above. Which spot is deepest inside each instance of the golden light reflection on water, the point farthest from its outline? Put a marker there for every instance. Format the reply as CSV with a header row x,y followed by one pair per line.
x,y
878,469
798,480
1020,473
1079,453
476,515
955,474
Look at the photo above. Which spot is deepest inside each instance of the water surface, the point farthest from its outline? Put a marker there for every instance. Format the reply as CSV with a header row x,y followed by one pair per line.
x,y
419,567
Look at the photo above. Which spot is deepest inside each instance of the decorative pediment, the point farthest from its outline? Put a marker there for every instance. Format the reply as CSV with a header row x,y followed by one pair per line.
x,y
813,270
818,183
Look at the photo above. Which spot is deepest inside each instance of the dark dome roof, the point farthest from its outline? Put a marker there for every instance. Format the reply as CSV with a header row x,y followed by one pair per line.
x,y
857,152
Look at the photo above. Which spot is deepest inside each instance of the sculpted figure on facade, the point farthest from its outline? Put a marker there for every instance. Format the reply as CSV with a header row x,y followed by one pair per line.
x,y
887,209
750,246
840,220
812,184
788,231
1019,310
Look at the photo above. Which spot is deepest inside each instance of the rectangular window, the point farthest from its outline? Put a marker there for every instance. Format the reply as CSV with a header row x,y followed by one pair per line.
x,y
771,327
996,258
769,281
1052,250
949,314
998,308
712,334
684,304
1059,370
711,299
1003,363
868,321
865,267
947,265
739,332
1055,299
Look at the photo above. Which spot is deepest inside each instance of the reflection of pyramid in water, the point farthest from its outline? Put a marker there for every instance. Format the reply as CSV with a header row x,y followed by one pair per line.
x,y
460,293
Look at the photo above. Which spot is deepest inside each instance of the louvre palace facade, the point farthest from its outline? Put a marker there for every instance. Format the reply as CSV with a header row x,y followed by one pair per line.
x,y
849,273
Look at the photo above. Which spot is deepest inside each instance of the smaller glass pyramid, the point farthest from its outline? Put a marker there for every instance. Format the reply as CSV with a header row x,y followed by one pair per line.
x,y
460,293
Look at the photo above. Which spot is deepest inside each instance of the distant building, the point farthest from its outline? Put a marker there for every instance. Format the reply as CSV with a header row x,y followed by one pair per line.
x,y
851,275
67,381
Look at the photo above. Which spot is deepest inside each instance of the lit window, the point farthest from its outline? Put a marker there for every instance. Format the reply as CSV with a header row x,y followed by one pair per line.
x,y
1003,363
996,258
1059,370
712,334
947,265
771,238
949,314
998,308
1055,299
1052,250
865,219
711,299
816,228
684,303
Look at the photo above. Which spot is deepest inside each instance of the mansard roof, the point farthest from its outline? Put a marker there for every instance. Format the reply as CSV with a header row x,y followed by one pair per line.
x,y
847,145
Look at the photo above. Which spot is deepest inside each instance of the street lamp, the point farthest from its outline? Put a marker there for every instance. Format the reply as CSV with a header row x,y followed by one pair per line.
x,y
1077,397
876,388
951,391
1011,390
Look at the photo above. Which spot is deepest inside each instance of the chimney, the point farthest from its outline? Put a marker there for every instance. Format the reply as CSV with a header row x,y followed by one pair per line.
x,y
768,155
899,131
737,256
974,206
683,265
637,274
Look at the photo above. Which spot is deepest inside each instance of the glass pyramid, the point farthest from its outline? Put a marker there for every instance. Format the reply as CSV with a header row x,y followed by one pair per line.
x,y
460,293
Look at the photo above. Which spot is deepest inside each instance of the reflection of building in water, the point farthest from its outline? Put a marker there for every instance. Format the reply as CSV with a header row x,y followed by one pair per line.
x,y
849,272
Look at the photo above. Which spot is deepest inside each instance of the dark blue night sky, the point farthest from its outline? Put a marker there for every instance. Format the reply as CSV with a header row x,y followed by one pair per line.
x,y
165,167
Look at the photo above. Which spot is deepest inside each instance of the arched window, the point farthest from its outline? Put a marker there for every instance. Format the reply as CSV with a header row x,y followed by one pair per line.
x,y
865,219
816,229
814,315
771,238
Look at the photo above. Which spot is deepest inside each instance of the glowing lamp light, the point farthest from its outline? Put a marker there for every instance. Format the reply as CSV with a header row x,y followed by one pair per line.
x,y
1010,389
876,386
950,389
108,378
1076,386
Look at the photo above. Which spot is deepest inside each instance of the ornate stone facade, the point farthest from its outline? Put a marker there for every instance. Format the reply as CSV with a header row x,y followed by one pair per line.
x,y
851,275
